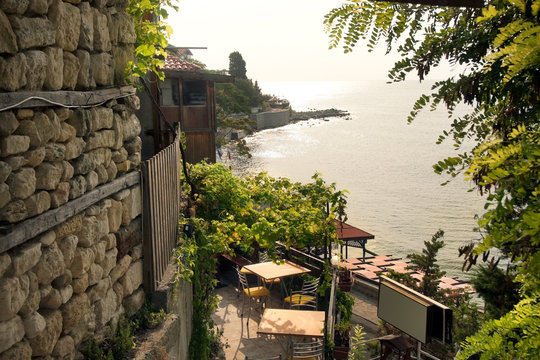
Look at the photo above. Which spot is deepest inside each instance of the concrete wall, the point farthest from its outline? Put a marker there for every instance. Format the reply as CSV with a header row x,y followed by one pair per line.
x,y
271,119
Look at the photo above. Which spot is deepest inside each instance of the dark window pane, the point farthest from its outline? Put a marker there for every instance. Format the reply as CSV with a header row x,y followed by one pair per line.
x,y
194,93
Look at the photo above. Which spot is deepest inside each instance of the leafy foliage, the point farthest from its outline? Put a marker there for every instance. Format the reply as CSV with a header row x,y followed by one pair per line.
x,y
256,211
152,33
498,49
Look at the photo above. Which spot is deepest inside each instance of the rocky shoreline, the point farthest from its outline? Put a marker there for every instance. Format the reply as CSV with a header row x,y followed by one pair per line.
x,y
317,114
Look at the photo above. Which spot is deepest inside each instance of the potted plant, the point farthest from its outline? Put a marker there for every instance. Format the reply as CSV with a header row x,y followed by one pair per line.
x,y
345,281
342,336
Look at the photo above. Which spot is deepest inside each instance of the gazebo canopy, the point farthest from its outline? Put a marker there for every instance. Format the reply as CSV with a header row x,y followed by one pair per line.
x,y
352,236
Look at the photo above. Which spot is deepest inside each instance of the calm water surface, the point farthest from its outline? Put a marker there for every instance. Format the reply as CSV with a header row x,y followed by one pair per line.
x,y
384,163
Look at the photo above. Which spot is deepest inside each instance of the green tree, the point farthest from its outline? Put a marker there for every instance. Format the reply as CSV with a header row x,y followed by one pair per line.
x,y
498,49
237,65
152,33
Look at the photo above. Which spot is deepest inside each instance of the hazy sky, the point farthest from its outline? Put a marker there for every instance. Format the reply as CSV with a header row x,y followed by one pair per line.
x,y
279,40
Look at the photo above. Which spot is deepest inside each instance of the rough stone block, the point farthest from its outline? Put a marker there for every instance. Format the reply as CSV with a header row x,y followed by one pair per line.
x,y
48,238
33,325
60,196
102,65
5,171
8,40
102,174
35,157
74,148
11,332
89,233
79,120
12,72
38,203
131,206
5,263
8,123
16,162
112,171
74,310
71,226
52,301
5,195
86,38
99,290
122,55
132,127
106,308
135,160
64,348
77,186
70,71
48,175
13,294
14,6
50,265
82,260
80,284
99,249
67,24
68,170
67,132
85,80
109,261
14,144
54,75
43,343
134,302
68,245
124,166
102,40
54,152
25,114
63,281
36,70
32,32
120,269
115,216
22,183
25,257
47,129
101,118
29,128
19,351
14,211
99,139
95,273
133,278
38,7
133,146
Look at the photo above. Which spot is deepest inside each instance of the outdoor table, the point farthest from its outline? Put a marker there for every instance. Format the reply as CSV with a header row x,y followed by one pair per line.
x,y
270,270
288,323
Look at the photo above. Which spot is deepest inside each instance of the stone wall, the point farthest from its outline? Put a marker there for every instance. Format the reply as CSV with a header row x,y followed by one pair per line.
x,y
71,44
271,119
73,279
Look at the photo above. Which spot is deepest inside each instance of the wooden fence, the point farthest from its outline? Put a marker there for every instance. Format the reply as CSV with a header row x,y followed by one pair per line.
x,y
161,201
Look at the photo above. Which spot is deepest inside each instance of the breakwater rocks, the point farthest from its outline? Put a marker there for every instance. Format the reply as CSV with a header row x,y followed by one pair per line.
x,y
317,114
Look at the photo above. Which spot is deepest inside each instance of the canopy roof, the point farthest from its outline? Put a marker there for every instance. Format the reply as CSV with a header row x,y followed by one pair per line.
x,y
349,233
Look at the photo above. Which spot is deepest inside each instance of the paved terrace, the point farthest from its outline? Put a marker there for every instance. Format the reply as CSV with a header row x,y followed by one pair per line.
x,y
243,340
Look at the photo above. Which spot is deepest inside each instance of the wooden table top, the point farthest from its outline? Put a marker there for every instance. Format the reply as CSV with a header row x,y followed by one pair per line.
x,y
292,322
270,270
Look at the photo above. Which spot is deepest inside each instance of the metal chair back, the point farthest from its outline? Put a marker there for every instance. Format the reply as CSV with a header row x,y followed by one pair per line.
x,y
308,350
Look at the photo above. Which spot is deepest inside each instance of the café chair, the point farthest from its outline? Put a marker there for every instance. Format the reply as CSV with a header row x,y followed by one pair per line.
x,y
277,357
257,293
308,292
307,350
304,302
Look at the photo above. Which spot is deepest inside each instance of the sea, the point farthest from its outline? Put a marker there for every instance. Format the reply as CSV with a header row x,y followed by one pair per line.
x,y
383,162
